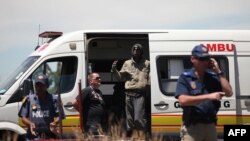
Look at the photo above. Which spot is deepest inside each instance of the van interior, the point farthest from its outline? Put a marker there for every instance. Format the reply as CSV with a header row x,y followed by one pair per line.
x,y
103,50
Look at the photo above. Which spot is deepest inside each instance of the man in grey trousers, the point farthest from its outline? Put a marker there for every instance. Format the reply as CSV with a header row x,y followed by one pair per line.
x,y
135,73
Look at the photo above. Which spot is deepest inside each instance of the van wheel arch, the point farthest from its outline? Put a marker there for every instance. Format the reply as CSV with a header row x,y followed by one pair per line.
x,y
12,129
9,135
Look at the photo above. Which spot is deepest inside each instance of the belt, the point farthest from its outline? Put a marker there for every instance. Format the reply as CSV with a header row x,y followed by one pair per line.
x,y
205,121
201,120
135,91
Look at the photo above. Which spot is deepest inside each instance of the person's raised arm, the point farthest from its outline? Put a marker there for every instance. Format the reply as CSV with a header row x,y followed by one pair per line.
x,y
226,87
118,75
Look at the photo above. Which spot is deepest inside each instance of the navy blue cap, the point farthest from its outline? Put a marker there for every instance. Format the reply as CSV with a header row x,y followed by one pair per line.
x,y
41,78
200,51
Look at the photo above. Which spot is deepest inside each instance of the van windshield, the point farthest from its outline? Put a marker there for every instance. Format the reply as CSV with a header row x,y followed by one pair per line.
x,y
14,76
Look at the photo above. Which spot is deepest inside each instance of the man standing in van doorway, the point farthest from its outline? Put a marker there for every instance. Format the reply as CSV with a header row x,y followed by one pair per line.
x,y
40,111
199,92
135,73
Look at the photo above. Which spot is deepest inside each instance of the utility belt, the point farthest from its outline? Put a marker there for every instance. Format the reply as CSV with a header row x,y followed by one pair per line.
x,y
43,129
204,120
135,92
42,133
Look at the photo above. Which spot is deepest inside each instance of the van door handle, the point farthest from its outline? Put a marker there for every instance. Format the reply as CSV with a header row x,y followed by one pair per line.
x,y
247,103
69,106
161,105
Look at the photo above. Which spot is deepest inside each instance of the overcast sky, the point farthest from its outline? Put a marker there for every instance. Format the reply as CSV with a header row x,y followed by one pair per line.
x,y
20,19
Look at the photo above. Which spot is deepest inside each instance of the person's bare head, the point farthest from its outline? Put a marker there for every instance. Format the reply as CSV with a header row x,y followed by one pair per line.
x,y
94,80
137,50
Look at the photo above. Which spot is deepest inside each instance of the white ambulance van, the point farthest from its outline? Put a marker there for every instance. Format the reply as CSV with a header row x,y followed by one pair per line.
x,y
70,57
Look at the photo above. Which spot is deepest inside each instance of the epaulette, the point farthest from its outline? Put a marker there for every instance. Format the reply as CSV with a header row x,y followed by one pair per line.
x,y
188,73
211,73
55,97
24,99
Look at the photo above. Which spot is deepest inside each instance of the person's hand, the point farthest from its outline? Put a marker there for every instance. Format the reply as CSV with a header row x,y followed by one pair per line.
x,y
113,68
216,95
53,127
32,129
214,65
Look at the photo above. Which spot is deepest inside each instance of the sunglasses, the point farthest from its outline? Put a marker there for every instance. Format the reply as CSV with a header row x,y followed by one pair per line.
x,y
97,78
203,58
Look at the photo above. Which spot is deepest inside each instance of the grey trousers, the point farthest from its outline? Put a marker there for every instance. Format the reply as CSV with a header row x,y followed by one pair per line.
x,y
199,132
135,112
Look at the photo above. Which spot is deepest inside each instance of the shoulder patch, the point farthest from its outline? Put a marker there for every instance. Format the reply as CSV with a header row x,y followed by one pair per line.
x,y
54,96
211,73
187,73
55,99
24,99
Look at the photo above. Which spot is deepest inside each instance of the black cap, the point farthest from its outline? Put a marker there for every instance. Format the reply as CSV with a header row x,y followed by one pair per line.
x,y
200,51
43,79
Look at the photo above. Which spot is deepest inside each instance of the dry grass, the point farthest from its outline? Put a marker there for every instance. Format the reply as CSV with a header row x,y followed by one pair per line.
x,y
116,132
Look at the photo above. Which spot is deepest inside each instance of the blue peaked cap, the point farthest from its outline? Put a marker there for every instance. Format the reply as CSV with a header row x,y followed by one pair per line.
x,y
200,51
41,78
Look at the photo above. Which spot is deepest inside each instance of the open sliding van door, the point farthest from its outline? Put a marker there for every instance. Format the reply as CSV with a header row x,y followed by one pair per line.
x,y
103,48
241,59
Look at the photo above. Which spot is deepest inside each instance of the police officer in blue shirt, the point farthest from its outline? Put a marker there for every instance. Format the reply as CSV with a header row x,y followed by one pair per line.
x,y
199,91
40,111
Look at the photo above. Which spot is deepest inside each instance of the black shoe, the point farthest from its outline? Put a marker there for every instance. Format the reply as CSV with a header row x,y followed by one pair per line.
x,y
129,133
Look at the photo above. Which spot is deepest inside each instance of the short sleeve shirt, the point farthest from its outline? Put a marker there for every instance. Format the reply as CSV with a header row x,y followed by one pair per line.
x,y
136,74
189,84
93,107
42,113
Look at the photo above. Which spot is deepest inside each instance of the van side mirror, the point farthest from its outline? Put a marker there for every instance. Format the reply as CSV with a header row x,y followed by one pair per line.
x,y
24,90
27,87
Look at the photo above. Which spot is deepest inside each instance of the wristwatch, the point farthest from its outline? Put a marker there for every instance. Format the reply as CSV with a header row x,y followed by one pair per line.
x,y
220,73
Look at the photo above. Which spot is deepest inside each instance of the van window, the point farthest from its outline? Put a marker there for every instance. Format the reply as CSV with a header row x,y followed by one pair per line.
x,y
15,75
169,69
59,71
